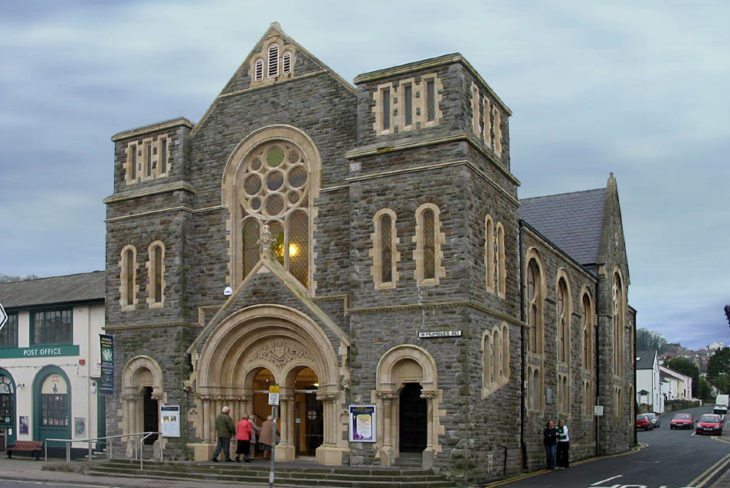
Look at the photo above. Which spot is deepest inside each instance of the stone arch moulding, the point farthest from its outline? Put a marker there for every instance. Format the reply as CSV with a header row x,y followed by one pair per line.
x,y
386,398
281,340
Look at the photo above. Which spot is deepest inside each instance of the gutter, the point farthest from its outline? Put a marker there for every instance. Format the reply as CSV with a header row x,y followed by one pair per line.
x,y
596,356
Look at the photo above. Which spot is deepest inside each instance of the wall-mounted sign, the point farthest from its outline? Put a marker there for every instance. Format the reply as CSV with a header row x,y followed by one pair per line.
x,y
439,333
362,423
598,410
106,383
40,351
170,420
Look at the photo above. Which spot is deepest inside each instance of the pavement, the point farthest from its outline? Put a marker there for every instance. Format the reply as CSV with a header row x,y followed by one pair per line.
x,y
723,481
29,469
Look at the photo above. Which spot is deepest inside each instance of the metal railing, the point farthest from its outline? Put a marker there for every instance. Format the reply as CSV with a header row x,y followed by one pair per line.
x,y
137,447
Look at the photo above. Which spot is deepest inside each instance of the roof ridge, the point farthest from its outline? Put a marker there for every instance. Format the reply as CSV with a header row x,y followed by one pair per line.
x,y
561,194
52,277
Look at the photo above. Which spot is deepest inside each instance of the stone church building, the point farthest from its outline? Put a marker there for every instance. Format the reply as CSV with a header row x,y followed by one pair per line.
x,y
363,245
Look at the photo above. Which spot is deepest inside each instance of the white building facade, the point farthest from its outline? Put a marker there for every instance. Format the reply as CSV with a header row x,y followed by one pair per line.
x,y
675,386
648,382
49,359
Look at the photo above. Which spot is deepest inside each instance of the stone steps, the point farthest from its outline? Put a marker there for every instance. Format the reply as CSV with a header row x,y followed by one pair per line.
x,y
358,477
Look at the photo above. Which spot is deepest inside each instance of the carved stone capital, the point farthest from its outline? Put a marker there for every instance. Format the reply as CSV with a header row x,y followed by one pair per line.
x,y
386,395
429,394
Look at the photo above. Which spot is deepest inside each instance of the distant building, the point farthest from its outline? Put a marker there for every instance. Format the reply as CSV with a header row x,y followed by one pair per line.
x,y
675,385
648,382
49,358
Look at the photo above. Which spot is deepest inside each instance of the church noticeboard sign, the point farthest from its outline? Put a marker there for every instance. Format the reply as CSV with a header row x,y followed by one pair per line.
x,y
362,423
106,383
439,333
170,420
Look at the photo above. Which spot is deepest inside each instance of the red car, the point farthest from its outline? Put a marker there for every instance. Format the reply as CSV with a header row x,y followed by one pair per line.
x,y
682,421
643,422
709,424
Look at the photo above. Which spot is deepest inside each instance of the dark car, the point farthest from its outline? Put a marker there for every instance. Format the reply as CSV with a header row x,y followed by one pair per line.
x,y
643,422
682,421
709,424
655,421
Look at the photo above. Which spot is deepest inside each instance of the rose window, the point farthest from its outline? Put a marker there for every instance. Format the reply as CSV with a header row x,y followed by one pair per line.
x,y
274,181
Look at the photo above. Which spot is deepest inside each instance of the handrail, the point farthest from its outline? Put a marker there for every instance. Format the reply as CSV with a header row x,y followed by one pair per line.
x,y
138,450
141,449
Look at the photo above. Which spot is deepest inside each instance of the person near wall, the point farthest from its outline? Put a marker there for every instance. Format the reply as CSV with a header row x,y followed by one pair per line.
x,y
244,430
224,429
550,440
563,450
267,436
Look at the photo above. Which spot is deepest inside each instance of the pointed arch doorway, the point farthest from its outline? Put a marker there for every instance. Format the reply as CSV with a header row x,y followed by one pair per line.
x,y
270,345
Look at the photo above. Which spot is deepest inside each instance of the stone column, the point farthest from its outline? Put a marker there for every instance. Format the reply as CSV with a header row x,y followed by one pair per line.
x,y
329,453
129,398
285,450
204,421
429,452
387,451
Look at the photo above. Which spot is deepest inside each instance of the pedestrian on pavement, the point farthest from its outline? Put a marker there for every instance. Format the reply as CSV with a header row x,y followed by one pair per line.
x,y
550,440
267,436
563,450
244,430
224,429
254,435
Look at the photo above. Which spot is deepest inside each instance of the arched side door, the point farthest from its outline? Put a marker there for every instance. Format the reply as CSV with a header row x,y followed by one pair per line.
x,y
51,405
8,409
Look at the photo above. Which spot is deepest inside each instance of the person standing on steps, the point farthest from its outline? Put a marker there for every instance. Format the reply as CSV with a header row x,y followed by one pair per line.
x,y
267,436
224,429
550,440
563,450
254,435
244,430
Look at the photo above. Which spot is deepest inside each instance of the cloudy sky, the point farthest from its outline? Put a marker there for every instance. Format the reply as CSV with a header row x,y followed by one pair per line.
x,y
639,89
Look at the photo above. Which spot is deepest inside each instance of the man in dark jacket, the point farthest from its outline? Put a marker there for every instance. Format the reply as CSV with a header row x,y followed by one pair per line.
x,y
224,429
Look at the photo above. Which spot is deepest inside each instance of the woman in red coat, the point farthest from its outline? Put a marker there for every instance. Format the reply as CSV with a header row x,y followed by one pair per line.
x,y
243,439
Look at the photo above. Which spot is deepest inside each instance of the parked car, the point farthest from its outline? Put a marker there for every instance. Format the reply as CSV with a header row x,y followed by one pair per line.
x,y
709,424
643,422
655,421
682,421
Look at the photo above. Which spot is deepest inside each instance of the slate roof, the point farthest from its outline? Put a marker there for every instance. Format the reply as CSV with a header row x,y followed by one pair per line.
x,y
645,359
572,221
82,287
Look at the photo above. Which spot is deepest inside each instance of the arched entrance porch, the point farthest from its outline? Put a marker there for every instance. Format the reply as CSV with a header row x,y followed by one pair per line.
x,y
407,393
264,345
141,394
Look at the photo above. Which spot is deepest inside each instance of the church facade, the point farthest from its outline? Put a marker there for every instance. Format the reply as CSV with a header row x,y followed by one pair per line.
x,y
363,245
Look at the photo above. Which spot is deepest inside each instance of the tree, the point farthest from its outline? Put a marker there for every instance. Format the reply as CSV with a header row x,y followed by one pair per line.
x,y
718,369
648,340
704,390
11,279
687,368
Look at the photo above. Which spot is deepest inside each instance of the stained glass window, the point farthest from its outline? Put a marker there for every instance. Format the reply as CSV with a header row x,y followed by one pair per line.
x,y
429,245
386,260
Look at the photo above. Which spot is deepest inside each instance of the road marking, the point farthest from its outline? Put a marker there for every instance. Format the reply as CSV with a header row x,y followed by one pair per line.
x,y
608,479
710,472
